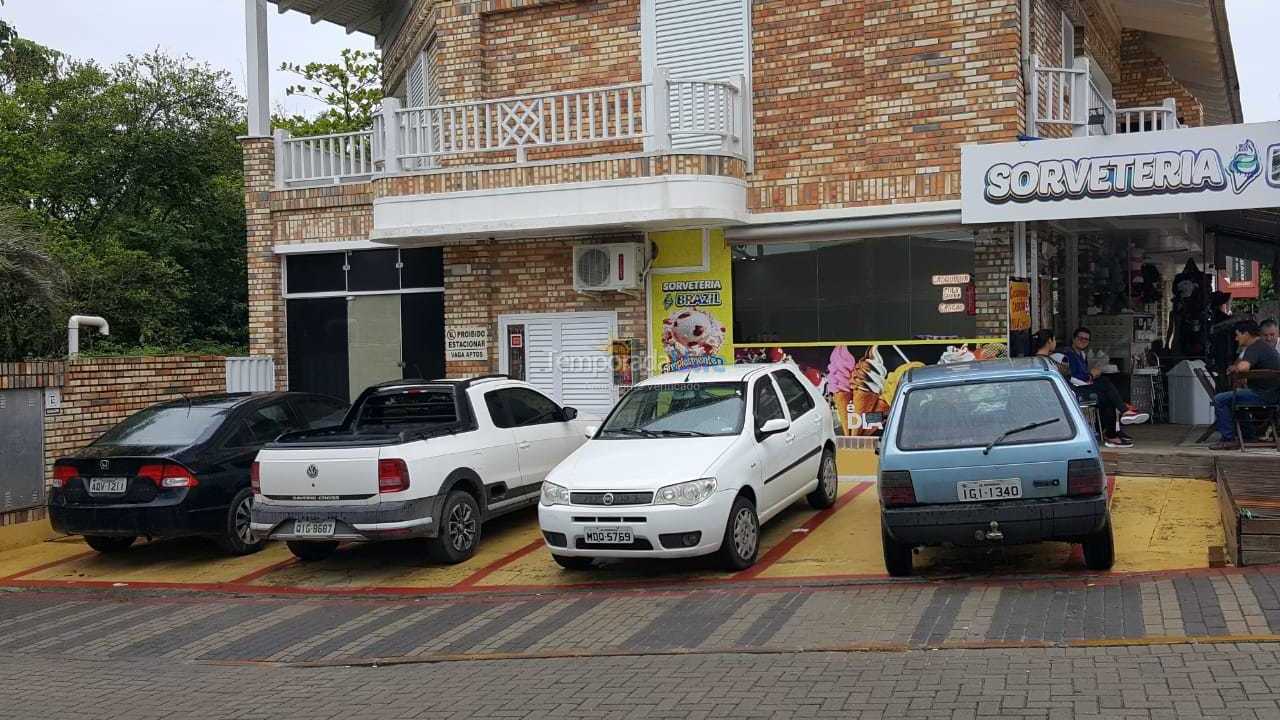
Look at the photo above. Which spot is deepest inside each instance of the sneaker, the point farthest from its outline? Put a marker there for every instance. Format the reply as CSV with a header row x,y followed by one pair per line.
x,y
1118,441
1125,435
1132,416
1225,445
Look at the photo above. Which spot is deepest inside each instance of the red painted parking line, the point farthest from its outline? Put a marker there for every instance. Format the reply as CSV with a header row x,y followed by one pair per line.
x,y
260,572
46,566
493,567
799,534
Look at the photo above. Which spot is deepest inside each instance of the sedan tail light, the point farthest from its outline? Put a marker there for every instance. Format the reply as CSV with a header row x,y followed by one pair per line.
x,y
896,489
1084,477
393,476
63,473
168,475
255,478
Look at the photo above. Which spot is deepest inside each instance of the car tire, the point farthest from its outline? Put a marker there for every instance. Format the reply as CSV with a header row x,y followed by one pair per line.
x,y
741,543
1100,548
459,530
311,551
569,562
237,538
109,544
897,556
824,496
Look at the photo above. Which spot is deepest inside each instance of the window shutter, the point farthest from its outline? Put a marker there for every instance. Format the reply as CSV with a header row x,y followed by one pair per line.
x,y
1068,42
699,40
416,83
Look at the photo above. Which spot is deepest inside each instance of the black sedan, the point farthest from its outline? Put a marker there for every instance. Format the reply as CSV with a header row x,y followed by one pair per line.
x,y
178,468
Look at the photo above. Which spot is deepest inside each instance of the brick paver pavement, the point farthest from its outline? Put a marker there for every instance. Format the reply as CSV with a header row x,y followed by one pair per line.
x,y
1237,681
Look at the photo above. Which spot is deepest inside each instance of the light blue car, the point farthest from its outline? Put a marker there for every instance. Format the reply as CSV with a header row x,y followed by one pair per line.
x,y
991,453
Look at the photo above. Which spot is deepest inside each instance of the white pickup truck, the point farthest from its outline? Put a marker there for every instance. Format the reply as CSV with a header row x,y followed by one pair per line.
x,y
413,458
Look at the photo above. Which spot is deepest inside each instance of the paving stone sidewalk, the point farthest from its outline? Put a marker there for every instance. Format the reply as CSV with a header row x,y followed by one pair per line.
x,y
207,627
1237,681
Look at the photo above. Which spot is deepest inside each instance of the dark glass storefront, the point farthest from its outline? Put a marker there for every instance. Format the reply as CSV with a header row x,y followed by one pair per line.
x,y
866,289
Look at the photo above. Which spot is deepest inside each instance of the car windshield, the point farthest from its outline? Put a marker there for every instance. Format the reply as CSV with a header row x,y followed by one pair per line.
x,y
174,425
975,414
679,410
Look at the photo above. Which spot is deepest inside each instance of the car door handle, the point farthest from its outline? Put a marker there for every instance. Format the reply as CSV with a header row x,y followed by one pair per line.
x,y
523,444
790,438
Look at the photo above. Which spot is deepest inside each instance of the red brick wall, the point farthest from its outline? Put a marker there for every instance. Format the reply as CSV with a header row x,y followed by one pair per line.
x,y
1145,81
100,392
488,279
863,103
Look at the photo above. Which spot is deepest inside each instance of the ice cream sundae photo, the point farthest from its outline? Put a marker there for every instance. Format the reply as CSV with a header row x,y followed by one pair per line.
x,y
692,338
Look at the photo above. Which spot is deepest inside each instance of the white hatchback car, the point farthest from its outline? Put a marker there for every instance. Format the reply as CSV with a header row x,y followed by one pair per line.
x,y
691,463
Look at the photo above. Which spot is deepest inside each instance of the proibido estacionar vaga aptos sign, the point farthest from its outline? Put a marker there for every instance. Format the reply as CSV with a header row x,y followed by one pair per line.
x,y
1228,167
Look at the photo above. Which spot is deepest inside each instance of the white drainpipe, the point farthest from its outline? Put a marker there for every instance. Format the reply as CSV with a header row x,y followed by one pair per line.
x,y
73,330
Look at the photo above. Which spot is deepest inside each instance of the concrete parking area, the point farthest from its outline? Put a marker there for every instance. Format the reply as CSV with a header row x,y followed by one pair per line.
x,y
1161,524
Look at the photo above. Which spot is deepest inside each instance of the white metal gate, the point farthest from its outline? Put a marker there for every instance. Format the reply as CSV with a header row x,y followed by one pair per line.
x,y
22,449
565,355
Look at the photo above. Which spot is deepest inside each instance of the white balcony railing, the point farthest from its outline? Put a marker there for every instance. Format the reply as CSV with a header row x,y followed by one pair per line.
x,y
337,158
685,115
1080,98
1148,119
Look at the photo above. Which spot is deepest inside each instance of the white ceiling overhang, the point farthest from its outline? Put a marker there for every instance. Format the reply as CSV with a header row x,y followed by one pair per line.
x,y
1194,40
364,16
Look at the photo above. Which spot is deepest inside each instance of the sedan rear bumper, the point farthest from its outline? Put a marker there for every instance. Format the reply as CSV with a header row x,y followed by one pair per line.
x,y
1017,521
155,520
387,520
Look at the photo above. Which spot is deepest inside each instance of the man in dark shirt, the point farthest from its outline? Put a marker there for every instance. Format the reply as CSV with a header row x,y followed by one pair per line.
x,y
1256,355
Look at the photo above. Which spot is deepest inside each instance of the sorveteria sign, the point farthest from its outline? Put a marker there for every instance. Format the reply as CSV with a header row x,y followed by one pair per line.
x,y
1217,168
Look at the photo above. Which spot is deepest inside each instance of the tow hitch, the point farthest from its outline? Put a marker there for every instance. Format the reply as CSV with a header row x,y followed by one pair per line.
x,y
993,534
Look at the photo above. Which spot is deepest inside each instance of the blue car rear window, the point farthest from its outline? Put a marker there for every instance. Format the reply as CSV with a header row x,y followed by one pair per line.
x,y
974,414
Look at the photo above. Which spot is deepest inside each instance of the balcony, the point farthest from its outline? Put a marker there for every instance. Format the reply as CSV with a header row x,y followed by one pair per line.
x,y
702,117
635,156
1079,101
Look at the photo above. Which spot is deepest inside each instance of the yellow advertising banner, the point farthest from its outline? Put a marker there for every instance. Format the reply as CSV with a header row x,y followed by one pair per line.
x,y
690,300
1019,304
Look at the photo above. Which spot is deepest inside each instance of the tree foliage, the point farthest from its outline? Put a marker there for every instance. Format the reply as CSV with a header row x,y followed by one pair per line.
x,y
350,90
130,179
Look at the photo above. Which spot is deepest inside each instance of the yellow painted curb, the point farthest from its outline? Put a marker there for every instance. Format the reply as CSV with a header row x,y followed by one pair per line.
x,y
24,534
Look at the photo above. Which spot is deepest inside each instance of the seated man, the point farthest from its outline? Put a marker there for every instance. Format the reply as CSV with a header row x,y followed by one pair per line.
x,y
1256,354
1271,333
1091,386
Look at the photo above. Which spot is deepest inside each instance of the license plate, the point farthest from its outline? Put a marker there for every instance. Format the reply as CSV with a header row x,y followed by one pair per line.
x,y
980,490
313,528
610,536
108,486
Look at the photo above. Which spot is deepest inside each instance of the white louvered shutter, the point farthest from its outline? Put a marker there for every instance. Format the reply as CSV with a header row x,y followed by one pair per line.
x,y
416,83
586,371
698,40
539,356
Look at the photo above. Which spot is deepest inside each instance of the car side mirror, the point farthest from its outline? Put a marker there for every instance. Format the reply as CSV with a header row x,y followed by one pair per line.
x,y
590,431
773,427
568,413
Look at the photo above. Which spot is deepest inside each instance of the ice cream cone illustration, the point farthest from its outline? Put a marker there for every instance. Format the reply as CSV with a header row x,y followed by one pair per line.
x,y
839,376
867,387
1245,166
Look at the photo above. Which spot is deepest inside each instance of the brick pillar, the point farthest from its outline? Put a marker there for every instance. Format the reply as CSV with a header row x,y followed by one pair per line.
x,y
993,264
469,300
266,307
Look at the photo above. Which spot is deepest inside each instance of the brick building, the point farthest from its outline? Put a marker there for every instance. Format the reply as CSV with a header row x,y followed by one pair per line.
x,y
583,191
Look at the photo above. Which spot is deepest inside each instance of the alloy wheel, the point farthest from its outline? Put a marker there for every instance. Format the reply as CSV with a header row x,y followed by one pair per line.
x,y
745,533
830,479
242,518
462,527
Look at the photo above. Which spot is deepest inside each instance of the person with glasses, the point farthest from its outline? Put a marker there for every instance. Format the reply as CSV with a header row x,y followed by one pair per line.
x,y
1090,385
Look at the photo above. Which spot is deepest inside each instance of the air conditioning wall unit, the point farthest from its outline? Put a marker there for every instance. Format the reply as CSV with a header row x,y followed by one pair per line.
x,y
615,266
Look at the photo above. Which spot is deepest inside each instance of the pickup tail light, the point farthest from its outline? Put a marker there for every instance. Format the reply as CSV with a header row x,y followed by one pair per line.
x,y
168,475
255,479
896,489
1084,477
393,476
63,473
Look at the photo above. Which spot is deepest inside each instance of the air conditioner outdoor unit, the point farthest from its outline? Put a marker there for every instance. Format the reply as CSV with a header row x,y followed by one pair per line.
x,y
616,266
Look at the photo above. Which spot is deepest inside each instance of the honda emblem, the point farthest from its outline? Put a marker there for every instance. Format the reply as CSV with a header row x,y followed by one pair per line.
x,y
104,464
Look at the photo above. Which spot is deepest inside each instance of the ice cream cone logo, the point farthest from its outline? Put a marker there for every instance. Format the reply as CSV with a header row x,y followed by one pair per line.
x,y
1245,166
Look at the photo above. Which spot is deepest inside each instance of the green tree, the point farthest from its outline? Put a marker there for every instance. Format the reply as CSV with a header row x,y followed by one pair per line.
x,y
33,288
135,175
350,90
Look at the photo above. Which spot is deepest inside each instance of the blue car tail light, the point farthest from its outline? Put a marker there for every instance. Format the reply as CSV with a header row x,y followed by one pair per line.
x,y
1084,477
896,489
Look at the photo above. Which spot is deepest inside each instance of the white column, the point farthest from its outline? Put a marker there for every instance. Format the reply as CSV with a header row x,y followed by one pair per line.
x,y
391,136
258,68
659,115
